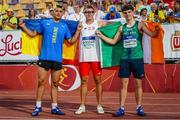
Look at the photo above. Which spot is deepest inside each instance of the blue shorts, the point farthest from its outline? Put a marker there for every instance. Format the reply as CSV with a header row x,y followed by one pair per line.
x,y
136,66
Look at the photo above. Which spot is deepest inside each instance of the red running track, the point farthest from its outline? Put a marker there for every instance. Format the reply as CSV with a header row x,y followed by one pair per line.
x,y
19,105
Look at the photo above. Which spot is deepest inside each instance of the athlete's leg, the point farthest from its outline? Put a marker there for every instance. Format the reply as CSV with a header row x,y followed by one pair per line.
x,y
138,91
42,75
55,76
123,91
98,82
84,73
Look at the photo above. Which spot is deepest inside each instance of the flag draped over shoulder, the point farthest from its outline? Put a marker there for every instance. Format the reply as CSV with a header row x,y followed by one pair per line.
x,y
152,47
69,50
110,55
31,46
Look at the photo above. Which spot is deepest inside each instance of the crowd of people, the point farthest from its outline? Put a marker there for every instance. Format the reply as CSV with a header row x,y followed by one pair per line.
x,y
91,16
157,11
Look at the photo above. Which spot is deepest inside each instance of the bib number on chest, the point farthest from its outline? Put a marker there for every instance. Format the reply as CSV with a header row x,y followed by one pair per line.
x,y
89,42
130,43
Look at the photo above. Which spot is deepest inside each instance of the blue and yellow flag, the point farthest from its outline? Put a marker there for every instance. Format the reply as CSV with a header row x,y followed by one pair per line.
x,y
32,46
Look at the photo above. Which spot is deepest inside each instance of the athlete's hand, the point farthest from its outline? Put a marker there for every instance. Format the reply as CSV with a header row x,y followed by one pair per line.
x,y
157,28
98,33
79,27
21,23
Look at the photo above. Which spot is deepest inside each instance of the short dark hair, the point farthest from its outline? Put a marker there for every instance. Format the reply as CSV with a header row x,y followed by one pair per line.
x,y
142,10
59,6
64,2
94,4
29,12
127,7
88,7
178,2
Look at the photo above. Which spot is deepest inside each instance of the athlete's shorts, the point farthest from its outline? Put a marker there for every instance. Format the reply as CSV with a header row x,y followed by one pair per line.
x,y
136,66
84,68
50,65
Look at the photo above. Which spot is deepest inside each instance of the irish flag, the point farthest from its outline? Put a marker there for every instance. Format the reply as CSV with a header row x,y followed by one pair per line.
x,y
152,47
110,55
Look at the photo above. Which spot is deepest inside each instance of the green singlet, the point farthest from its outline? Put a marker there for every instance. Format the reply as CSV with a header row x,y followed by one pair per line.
x,y
131,42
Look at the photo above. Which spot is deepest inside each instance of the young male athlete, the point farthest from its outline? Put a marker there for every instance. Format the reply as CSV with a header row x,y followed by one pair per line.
x,y
132,56
54,32
89,58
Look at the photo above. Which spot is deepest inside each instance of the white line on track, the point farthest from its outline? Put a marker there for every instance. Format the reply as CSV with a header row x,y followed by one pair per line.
x,y
105,103
104,97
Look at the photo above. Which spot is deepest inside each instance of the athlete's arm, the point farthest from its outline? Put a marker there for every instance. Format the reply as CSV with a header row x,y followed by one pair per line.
x,y
76,35
26,30
109,40
144,28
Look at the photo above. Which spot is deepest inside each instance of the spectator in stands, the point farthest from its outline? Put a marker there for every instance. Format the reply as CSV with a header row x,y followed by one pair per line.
x,y
66,12
32,14
49,7
1,3
157,2
161,7
11,22
98,15
119,5
102,5
79,2
112,14
46,13
1,14
176,13
3,8
155,14
0,22
167,10
145,5
84,5
54,32
142,16
77,16
177,8
133,3
71,7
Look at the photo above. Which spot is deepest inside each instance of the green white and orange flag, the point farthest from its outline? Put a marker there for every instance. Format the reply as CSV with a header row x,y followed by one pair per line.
x,y
152,47
109,54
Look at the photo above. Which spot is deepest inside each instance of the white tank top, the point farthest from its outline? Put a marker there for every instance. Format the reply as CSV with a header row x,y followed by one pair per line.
x,y
89,43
